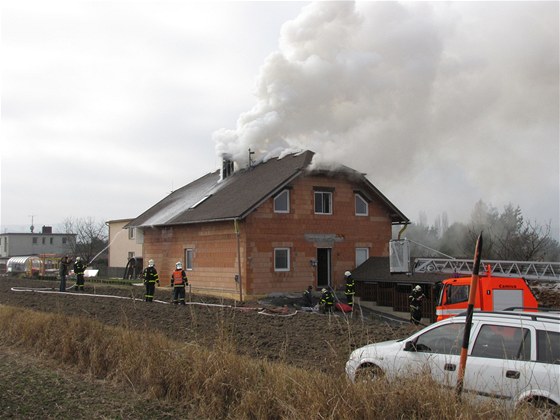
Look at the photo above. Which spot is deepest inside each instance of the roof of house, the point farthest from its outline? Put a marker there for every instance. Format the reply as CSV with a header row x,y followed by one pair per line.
x,y
210,198
377,269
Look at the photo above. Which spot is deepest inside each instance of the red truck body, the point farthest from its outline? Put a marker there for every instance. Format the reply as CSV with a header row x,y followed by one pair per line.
x,y
493,294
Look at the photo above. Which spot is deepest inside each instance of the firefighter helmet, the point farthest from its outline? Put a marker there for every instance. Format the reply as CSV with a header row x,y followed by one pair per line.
x,y
324,290
179,265
150,263
347,274
418,288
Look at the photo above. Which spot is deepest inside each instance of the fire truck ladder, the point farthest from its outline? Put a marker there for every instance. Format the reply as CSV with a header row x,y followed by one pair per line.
x,y
529,270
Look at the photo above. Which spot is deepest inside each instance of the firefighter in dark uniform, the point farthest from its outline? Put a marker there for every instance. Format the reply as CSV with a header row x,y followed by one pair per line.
x,y
308,297
415,299
327,301
150,277
349,290
63,265
178,282
79,269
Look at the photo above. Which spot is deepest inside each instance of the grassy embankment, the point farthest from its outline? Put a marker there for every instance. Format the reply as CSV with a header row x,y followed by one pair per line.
x,y
217,383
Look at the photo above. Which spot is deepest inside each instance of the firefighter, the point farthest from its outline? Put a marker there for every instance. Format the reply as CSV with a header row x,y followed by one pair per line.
x,y
349,291
327,301
150,277
178,282
415,301
79,269
308,297
63,271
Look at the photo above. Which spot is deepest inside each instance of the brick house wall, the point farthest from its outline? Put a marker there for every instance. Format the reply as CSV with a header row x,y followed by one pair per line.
x,y
215,244
214,248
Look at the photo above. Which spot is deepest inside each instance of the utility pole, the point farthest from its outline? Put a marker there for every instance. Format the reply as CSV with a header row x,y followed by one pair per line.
x,y
468,320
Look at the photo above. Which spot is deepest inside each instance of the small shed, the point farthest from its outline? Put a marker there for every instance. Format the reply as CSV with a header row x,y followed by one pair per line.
x,y
375,283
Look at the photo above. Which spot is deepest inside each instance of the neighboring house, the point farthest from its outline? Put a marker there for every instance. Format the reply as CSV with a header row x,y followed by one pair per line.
x,y
124,246
27,244
375,283
277,226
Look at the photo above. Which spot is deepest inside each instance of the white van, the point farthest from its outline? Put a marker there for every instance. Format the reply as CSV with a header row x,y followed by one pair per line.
x,y
513,356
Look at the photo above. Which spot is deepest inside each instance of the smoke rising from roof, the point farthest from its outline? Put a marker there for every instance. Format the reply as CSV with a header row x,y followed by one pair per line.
x,y
432,94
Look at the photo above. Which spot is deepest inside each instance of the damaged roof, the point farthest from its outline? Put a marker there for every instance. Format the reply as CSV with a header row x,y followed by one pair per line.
x,y
211,198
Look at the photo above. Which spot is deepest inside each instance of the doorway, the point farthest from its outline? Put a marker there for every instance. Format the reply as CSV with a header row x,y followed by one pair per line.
x,y
323,267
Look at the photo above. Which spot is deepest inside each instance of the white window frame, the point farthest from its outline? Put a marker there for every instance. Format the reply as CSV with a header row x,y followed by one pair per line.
x,y
284,193
131,233
276,259
189,256
359,199
320,194
358,249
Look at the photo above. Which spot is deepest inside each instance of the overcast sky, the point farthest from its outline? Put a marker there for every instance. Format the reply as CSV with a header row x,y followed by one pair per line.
x,y
109,106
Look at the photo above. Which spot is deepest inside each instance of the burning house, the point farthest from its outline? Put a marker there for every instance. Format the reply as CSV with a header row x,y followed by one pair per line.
x,y
275,226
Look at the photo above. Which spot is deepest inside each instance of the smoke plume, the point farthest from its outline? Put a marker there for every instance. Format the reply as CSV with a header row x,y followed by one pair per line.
x,y
444,94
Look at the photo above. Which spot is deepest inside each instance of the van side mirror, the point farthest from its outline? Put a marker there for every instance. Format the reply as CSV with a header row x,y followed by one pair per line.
x,y
409,346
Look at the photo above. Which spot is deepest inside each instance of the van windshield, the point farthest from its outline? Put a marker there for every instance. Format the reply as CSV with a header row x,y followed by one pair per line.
x,y
455,294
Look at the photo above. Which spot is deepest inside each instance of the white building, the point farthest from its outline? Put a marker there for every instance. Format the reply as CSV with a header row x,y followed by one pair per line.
x,y
39,243
123,245
46,242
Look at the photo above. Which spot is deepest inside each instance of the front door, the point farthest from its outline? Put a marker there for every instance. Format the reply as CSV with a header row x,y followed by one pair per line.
x,y
323,267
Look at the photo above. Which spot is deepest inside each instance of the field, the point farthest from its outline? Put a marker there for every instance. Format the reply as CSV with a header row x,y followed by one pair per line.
x,y
319,344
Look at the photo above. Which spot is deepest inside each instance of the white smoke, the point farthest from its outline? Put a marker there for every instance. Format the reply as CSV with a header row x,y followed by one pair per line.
x,y
450,92
339,85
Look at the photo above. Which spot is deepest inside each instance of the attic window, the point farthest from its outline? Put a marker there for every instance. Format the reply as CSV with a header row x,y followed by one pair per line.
x,y
361,205
202,200
282,202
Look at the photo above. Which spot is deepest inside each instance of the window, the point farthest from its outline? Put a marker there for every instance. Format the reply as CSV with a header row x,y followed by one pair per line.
x,y
202,200
281,259
130,254
189,258
64,240
362,254
43,240
457,294
131,233
35,239
446,339
502,342
323,202
548,347
51,241
282,202
361,206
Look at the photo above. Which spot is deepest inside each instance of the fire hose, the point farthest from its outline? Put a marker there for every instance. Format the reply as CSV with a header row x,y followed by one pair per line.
x,y
52,290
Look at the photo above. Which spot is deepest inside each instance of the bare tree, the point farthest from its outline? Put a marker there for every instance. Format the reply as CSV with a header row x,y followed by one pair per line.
x,y
507,236
91,237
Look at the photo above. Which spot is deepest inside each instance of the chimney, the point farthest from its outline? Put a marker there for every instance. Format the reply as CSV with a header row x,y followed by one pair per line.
x,y
46,230
227,167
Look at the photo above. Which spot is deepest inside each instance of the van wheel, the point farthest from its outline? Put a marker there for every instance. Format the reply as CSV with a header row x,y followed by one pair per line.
x,y
368,372
545,407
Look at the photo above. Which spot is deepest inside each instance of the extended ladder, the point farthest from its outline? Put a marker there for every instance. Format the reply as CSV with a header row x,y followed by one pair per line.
x,y
529,270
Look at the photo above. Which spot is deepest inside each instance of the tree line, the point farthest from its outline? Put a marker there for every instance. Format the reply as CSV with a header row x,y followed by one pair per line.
x,y
507,235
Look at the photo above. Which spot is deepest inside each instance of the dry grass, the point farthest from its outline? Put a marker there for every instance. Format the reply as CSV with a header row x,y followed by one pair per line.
x,y
217,383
